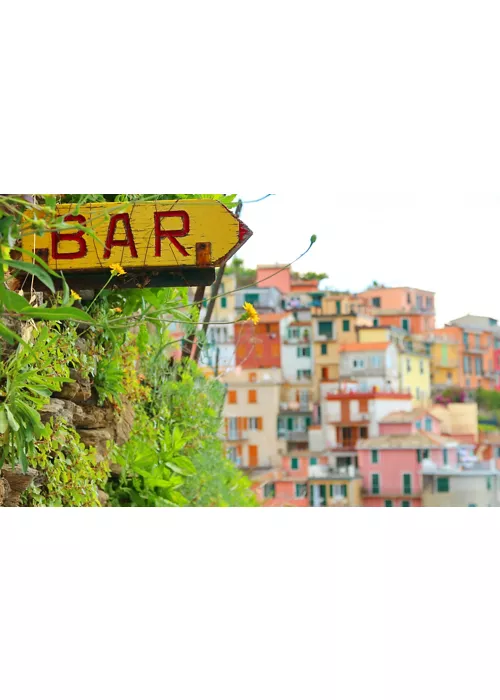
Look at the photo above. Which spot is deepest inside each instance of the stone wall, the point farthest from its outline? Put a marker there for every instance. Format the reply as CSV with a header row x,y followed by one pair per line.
x,y
77,404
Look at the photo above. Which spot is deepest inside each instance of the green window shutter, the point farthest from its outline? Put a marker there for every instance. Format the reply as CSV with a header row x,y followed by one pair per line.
x,y
488,483
443,484
405,504
375,322
313,461
252,298
426,454
223,302
331,490
295,462
405,324
337,304
289,422
322,494
344,490
407,483
374,456
388,504
345,324
445,456
308,352
299,352
324,349
428,424
326,328
375,483
419,456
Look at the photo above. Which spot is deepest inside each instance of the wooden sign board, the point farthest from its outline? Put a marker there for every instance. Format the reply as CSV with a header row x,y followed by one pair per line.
x,y
160,243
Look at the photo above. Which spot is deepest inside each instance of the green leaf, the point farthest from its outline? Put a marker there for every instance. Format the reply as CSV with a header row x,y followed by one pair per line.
x,y
3,420
63,313
10,336
38,259
12,421
31,269
11,300
177,469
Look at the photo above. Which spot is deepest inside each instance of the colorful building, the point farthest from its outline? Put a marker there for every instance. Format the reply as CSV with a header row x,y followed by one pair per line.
x,y
252,404
391,464
260,346
408,308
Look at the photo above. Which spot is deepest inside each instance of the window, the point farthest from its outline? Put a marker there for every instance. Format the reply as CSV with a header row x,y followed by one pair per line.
x,y
223,302
418,393
232,454
363,432
405,504
359,364
324,373
313,461
408,365
324,349
300,490
466,340
467,365
387,504
375,322
375,361
232,397
445,456
418,425
498,452
374,456
294,463
253,455
346,324
407,484
376,302
488,483
405,324
408,298
253,423
421,367
294,333
304,373
338,306
443,484
428,424
338,490
252,396
269,491
478,342
375,483
325,328
479,365
252,298
425,454
304,352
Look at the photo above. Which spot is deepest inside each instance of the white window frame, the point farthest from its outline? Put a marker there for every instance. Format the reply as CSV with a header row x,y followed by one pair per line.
x,y
252,423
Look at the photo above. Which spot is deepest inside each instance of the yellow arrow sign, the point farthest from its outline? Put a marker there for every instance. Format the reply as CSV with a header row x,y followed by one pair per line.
x,y
139,236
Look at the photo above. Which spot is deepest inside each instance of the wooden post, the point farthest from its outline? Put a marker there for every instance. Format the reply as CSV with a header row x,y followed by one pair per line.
x,y
189,341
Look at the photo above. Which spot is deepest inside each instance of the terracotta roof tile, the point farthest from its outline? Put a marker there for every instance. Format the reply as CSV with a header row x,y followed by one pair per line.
x,y
413,441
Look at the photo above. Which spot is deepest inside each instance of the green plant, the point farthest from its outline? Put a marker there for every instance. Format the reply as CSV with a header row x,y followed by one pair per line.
x,y
69,472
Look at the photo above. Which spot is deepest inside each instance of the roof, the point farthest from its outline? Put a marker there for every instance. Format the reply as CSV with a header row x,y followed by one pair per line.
x,y
374,311
413,441
382,286
408,416
490,438
361,347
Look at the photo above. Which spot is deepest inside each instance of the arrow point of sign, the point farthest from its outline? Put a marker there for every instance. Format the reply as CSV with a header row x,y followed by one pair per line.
x,y
244,232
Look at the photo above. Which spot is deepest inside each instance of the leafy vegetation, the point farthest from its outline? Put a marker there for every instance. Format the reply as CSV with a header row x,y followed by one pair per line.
x,y
122,344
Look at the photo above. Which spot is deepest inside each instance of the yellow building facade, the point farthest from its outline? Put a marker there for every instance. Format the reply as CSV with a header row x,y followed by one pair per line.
x,y
445,362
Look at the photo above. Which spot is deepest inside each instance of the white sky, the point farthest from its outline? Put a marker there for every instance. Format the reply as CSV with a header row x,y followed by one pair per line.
x,y
439,243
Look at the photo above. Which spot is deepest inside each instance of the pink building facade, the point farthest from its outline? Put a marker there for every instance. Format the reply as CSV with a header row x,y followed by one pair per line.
x,y
391,464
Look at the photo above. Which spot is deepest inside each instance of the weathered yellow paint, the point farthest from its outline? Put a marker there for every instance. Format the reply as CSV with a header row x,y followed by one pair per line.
x,y
213,234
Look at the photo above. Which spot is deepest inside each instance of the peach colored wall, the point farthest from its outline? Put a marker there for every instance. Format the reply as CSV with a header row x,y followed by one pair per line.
x,y
281,280
380,502
396,428
396,298
300,474
285,496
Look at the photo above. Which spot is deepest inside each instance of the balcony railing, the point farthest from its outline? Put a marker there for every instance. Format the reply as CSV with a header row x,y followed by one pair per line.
x,y
236,435
346,372
293,435
446,364
296,407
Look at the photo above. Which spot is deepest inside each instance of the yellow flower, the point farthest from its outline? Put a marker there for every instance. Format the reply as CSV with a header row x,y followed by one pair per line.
x,y
117,310
117,269
250,313
75,295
